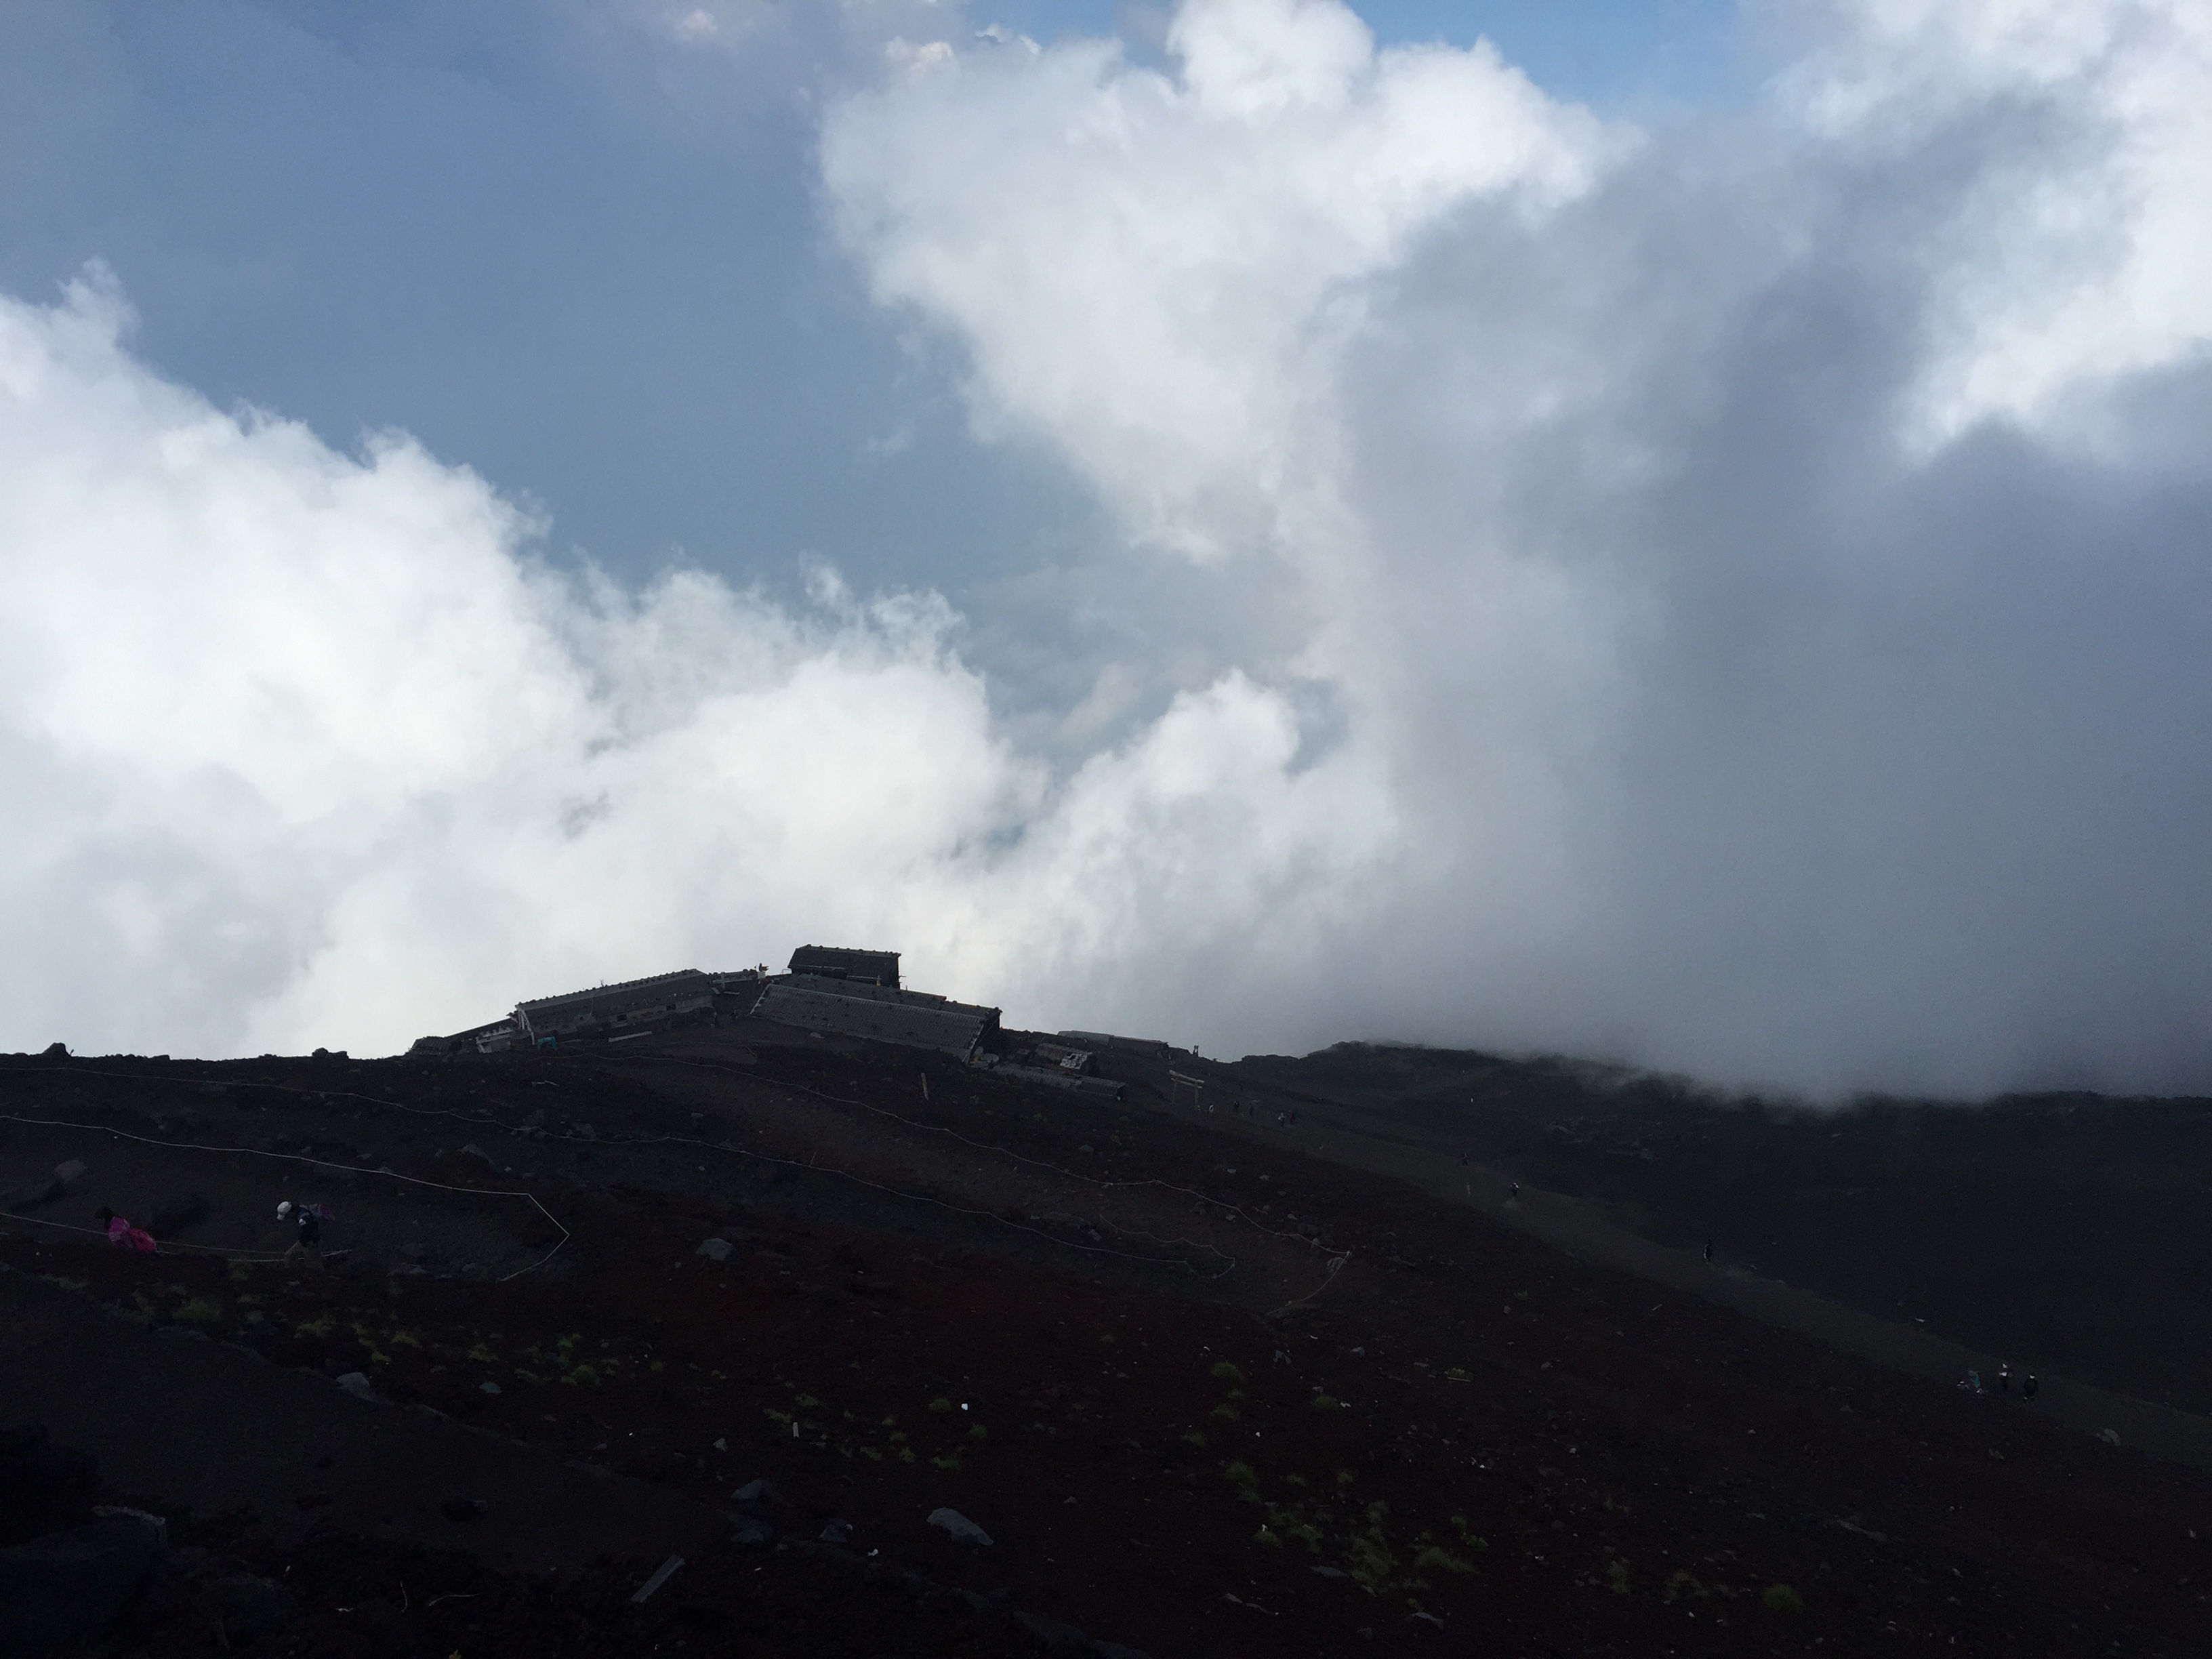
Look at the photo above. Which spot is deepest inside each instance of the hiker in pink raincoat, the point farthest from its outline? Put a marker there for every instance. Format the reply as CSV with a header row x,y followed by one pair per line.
x,y
121,1234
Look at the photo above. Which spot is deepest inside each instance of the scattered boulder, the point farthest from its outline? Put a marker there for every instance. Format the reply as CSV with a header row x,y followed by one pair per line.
x,y
1053,1633
837,1532
749,1534
2110,1437
757,1491
246,1607
66,1588
32,1196
357,1384
174,1213
959,1526
43,1488
488,1387
55,1051
715,1249
69,1174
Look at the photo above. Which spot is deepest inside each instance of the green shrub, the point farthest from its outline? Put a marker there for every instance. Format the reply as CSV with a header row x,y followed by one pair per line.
x,y
1783,1598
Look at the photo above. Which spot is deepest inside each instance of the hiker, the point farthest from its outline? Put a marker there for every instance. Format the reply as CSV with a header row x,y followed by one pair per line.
x,y
2004,1378
2028,1386
123,1235
1709,1249
1974,1381
309,1219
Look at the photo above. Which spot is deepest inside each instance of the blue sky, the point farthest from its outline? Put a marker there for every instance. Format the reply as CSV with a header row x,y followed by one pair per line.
x,y
585,263
1615,53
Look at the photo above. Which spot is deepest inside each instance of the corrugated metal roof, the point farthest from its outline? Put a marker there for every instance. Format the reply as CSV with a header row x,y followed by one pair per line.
x,y
618,991
1056,1079
837,961
1104,1040
865,992
949,1028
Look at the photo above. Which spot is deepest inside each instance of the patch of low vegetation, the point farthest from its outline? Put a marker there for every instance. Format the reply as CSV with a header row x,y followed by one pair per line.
x,y
200,1310
1363,1542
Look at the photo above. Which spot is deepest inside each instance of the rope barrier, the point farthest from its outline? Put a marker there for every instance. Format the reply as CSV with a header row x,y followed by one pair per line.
x,y
318,1162
1238,1212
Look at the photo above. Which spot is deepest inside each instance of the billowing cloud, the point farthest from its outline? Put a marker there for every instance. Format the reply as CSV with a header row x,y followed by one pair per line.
x,y
306,748
1763,558
1733,596
1152,269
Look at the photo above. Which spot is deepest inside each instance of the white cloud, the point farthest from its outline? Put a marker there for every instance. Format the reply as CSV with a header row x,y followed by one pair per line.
x,y
1747,578
1153,270
306,750
1753,558
2084,248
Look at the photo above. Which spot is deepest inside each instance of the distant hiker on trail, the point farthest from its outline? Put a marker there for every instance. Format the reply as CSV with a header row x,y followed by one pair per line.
x,y
1709,1249
2028,1387
309,1218
123,1235
2004,1378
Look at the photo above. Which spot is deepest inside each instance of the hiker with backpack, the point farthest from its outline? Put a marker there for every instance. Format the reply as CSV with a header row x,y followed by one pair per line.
x,y
309,1219
123,1235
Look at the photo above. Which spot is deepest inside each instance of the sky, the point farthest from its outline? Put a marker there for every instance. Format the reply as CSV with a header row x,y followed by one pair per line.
x,y
1672,533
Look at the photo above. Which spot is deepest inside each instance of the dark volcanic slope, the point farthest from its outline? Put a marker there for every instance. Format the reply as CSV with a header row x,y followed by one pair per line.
x,y
2067,1233
1207,1392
